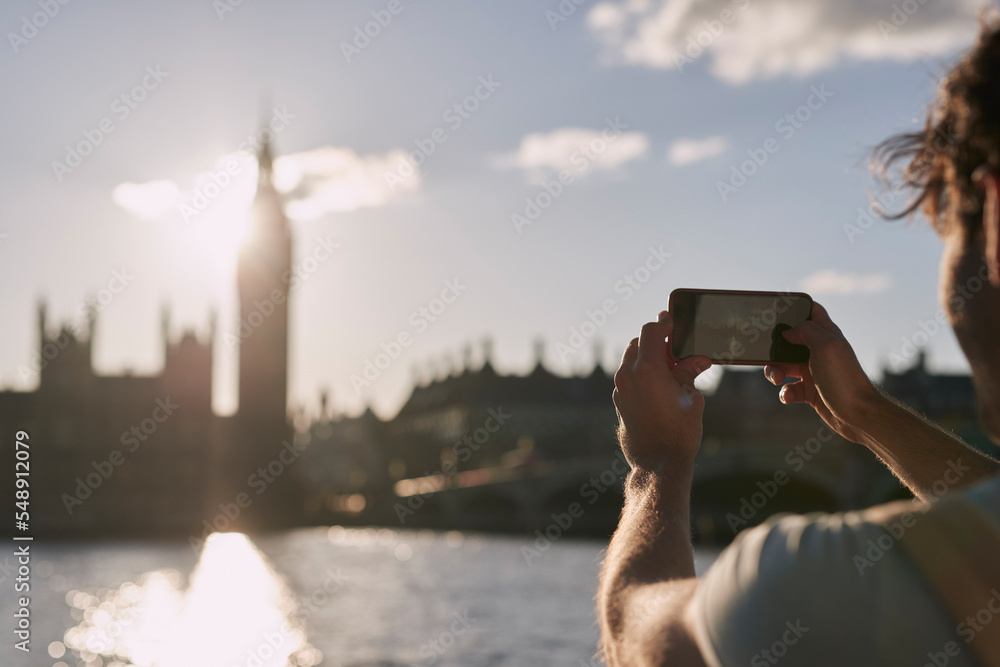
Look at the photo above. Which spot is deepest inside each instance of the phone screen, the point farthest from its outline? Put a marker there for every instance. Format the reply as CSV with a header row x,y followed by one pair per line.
x,y
736,327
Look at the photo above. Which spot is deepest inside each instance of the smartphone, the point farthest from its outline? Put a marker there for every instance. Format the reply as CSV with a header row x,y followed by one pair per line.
x,y
738,327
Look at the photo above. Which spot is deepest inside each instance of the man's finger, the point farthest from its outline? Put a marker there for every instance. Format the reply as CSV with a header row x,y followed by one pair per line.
x,y
778,373
808,333
794,392
822,318
653,341
686,370
630,353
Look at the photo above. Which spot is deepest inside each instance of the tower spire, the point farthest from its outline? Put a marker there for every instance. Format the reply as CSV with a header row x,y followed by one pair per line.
x,y
42,306
598,355
165,324
267,218
487,353
265,158
539,353
265,262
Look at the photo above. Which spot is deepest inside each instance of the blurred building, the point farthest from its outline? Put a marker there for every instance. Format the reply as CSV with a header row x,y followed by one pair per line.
x,y
145,454
438,463
500,441
115,453
947,399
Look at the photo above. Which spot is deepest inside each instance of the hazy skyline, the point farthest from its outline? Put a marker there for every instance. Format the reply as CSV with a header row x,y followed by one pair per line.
x,y
497,102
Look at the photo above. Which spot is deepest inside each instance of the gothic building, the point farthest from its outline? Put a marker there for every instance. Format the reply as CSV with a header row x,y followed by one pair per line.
x,y
145,454
96,440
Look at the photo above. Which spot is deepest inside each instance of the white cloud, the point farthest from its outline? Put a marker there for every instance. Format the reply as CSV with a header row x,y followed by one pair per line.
x,y
315,182
687,151
762,39
576,149
148,201
219,193
831,281
331,180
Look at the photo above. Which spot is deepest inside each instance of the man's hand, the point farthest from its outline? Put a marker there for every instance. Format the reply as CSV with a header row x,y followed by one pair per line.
x,y
648,579
659,410
920,453
833,382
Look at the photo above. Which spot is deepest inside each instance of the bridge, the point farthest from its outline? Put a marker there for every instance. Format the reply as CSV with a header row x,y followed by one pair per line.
x,y
736,485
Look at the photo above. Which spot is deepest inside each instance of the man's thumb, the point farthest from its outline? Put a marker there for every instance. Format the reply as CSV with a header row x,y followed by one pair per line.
x,y
807,333
688,369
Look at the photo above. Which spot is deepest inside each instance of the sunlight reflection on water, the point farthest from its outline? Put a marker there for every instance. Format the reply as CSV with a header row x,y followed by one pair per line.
x,y
335,595
235,611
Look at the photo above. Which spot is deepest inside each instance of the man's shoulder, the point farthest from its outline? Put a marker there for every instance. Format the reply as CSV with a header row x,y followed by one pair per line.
x,y
789,546
817,537
842,576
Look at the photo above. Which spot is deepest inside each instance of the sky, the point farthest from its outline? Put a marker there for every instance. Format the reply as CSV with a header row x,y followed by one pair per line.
x,y
522,171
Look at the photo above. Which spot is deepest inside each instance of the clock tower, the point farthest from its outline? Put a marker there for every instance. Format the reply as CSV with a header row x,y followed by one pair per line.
x,y
263,273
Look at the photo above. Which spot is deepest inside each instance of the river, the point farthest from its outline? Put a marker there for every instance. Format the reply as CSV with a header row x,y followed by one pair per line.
x,y
335,596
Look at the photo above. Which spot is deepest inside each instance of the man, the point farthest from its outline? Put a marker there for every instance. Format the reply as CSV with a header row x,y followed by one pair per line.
x,y
794,589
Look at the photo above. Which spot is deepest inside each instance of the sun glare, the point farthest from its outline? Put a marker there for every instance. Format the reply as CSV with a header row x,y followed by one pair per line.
x,y
235,611
216,213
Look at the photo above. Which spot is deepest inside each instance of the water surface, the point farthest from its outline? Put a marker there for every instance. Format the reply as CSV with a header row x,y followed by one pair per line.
x,y
326,596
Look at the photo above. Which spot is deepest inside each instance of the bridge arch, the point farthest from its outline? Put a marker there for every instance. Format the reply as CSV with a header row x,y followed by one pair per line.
x,y
724,505
591,499
490,508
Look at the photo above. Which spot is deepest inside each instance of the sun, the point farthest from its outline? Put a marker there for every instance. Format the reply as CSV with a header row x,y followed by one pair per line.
x,y
215,214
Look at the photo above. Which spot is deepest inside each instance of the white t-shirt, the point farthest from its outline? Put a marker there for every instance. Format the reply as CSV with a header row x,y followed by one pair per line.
x,y
822,589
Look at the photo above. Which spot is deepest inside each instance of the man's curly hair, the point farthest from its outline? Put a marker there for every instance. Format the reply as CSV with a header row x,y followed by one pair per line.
x,y
961,134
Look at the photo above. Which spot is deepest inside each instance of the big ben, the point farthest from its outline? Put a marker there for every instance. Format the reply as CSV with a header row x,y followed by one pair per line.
x,y
263,276
260,447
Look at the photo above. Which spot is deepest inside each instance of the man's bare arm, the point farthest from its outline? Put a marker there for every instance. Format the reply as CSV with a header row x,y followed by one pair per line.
x,y
925,457
920,453
647,581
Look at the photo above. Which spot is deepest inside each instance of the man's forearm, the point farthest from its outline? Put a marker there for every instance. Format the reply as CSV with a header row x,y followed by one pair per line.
x,y
651,546
653,540
925,457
